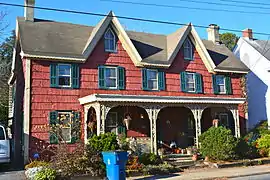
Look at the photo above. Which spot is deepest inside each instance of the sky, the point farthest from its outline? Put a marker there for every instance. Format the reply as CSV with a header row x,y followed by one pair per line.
x,y
228,20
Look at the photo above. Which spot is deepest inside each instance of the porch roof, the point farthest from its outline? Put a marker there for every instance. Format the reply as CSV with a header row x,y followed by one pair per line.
x,y
158,99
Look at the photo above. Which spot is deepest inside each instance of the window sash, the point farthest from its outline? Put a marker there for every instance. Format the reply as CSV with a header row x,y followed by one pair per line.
x,y
107,78
112,126
187,50
150,79
110,45
224,117
64,75
221,84
67,125
190,82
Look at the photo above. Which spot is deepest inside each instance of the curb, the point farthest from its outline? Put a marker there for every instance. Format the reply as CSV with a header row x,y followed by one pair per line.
x,y
239,164
236,176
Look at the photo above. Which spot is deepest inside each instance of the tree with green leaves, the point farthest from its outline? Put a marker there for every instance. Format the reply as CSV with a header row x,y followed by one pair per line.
x,y
229,39
6,53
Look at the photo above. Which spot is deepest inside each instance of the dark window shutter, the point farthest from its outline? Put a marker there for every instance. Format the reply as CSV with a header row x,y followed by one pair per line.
x,y
183,81
144,79
53,75
75,127
53,121
228,85
199,86
121,78
161,80
214,81
75,75
101,77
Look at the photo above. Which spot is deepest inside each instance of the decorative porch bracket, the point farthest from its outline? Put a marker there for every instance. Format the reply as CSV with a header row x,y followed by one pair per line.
x,y
104,110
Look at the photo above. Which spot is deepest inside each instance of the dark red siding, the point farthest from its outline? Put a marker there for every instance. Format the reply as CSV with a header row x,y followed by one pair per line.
x,y
45,99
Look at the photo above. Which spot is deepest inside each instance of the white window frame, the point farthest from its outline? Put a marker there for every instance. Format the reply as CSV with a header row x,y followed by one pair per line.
x,y
70,115
217,76
114,48
188,45
116,77
223,114
116,125
194,81
64,75
148,71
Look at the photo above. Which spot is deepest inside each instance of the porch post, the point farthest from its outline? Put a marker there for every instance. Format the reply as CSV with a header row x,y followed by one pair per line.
x,y
98,116
153,114
104,109
197,113
235,114
86,109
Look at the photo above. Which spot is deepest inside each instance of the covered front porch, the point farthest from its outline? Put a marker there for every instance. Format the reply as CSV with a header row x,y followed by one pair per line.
x,y
155,121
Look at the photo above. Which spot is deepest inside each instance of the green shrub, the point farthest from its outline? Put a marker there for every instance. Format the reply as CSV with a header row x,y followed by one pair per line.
x,y
246,150
218,144
264,144
46,174
103,142
37,164
149,159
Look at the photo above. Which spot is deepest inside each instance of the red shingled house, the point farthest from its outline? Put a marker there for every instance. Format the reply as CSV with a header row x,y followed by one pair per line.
x,y
172,86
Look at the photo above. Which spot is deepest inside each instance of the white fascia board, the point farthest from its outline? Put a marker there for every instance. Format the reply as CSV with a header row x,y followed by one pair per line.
x,y
203,51
231,71
158,99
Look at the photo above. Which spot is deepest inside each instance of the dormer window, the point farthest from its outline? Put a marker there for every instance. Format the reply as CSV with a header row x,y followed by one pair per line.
x,y
110,41
188,50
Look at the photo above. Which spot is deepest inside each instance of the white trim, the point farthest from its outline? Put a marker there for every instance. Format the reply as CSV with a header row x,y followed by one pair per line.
x,y
231,71
27,109
55,58
158,99
116,77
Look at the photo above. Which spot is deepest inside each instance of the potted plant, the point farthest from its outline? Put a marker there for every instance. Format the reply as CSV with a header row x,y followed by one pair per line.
x,y
189,151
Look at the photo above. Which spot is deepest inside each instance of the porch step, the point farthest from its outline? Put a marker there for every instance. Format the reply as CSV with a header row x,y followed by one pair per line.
x,y
179,160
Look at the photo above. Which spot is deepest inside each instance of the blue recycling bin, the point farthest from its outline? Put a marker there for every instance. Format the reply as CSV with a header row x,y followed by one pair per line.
x,y
115,164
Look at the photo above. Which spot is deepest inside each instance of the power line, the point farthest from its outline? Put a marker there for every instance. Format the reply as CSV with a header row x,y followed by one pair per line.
x,y
249,2
123,17
186,7
223,4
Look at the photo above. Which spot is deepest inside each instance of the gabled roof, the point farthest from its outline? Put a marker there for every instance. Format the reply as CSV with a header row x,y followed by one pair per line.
x,y
261,46
71,42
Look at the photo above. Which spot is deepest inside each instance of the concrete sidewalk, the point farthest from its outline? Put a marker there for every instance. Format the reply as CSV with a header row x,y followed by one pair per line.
x,y
207,173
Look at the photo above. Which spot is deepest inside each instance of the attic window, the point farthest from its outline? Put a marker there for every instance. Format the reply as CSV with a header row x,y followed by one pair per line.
x,y
110,41
188,50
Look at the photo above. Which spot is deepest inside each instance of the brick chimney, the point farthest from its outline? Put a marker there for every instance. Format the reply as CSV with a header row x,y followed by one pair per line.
x,y
247,33
29,10
213,33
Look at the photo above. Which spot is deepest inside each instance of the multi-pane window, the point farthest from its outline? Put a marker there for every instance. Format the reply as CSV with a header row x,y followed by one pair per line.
x,y
111,77
223,118
110,41
188,50
112,123
191,82
190,79
220,83
152,79
65,126
64,75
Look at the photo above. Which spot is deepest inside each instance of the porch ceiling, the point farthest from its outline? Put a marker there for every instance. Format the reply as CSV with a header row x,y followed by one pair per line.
x,y
158,99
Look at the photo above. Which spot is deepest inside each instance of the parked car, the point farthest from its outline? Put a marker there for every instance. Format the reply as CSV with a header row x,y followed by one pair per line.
x,y
4,146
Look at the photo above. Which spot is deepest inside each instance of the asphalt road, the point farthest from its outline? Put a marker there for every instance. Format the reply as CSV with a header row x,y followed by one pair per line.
x,y
256,177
